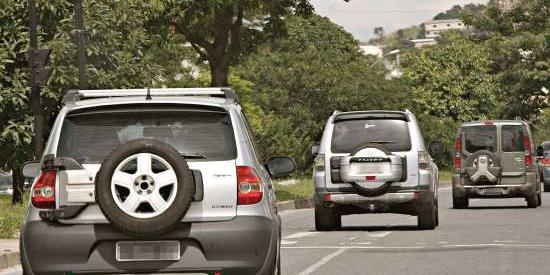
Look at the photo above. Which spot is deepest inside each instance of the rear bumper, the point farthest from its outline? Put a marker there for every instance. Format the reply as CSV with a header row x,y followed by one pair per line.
x,y
244,245
493,191
405,201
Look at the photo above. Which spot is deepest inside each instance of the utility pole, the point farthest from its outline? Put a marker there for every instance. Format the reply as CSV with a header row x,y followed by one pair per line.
x,y
79,29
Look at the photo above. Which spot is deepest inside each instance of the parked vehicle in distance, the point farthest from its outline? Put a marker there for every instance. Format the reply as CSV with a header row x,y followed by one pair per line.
x,y
152,181
543,156
374,162
495,159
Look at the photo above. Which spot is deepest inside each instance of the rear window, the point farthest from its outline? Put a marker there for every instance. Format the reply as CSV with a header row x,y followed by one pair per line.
x,y
482,137
512,138
88,138
348,135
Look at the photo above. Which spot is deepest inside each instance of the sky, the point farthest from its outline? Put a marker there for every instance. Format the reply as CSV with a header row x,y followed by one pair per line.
x,y
360,17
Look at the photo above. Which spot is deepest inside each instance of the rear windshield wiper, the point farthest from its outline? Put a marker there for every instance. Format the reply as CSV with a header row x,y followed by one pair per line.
x,y
195,156
382,141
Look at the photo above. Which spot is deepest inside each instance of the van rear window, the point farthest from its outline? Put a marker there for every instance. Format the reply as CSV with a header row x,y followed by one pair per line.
x,y
391,134
480,137
512,138
88,138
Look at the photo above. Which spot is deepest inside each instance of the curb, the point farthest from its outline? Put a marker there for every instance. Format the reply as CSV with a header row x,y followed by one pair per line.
x,y
9,259
295,204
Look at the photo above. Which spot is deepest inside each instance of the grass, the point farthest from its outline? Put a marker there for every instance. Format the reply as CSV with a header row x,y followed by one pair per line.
x,y
301,190
445,176
12,217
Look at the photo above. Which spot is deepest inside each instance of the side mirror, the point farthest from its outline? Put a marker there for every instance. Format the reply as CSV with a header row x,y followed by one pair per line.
x,y
435,148
315,150
540,151
31,169
280,166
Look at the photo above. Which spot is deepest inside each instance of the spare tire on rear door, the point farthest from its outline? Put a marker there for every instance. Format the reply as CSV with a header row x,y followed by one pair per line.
x,y
144,187
371,170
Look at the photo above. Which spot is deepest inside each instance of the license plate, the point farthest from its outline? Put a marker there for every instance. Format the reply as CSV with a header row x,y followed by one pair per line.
x,y
371,168
129,251
492,191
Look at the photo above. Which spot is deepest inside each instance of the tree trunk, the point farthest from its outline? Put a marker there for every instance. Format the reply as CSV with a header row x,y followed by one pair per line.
x,y
17,184
219,73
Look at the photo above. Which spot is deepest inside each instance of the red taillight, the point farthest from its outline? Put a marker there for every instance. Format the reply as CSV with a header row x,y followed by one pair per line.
x,y
458,151
328,198
370,178
43,192
249,189
546,161
528,156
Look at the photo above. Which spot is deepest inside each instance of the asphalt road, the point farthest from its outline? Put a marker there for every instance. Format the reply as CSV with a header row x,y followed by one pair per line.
x,y
492,237
498,236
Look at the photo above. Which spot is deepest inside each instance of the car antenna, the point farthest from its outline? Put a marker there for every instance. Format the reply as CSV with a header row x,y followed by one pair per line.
x,y
148,96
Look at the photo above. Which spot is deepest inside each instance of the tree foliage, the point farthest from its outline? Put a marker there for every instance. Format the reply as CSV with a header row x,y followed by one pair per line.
x,y
301,79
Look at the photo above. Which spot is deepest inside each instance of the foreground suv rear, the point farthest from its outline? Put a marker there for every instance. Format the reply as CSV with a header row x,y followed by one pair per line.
x,y
374,162
495,159
152,181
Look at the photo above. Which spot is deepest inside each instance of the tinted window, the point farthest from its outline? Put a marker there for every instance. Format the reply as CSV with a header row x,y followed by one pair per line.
x,y
512,138
348,135
482,137
88,138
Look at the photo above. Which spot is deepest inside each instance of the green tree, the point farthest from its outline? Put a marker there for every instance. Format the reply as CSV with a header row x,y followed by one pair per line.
x,y
453,79
302,79
222,31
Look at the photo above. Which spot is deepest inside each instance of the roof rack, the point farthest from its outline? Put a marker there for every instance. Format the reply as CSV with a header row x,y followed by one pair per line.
x,y
223,92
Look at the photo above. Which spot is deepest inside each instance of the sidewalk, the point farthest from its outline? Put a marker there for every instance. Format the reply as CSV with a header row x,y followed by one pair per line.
x,y
9,253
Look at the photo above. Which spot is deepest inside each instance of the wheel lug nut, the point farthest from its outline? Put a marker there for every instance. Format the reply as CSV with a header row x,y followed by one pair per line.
x,y
149,192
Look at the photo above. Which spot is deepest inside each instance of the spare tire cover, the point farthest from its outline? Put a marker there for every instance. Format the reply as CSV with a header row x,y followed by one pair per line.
x,y
144,187
483,165
371,170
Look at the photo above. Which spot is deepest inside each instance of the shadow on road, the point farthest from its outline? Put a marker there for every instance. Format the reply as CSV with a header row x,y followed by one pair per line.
x,y
380,228
491,207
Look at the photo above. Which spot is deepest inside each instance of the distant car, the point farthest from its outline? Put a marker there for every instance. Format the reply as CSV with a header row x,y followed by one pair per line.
x,y
152,182
374,162
544,163
495,159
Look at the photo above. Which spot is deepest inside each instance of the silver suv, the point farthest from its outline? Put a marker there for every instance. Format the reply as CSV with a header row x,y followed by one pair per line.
x,y
495,159
152,181
374,162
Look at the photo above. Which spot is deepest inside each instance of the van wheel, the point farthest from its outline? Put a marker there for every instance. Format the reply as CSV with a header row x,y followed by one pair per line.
x,y
533,201
460,202
428,220
327,219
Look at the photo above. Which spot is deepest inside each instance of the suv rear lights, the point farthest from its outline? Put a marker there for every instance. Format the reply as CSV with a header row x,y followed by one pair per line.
x,y
319,162
528,155
249,189
43,192
458,151
423,160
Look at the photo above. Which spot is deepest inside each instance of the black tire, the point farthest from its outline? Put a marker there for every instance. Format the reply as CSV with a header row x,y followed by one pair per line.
x,y
327,219
533,200
539,196
460,202
428,219
152,226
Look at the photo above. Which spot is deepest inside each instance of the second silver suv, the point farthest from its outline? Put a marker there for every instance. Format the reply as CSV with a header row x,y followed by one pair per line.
x,y
374,162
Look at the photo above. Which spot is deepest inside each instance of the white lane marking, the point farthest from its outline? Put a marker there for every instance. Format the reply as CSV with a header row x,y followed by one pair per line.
x,y
505,241
285,242
367,243
379,235
301,235
442,242
323,261
485,245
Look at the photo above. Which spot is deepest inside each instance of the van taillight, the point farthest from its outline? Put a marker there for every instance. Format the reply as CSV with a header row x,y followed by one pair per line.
x,y
43,192
458,152
528,155
249,189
